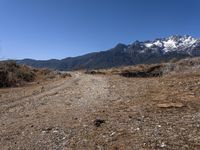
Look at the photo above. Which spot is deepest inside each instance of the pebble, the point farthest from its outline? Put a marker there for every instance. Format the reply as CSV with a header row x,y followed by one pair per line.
x,y
43,132
55,131
112,133
159,126
163,145
137,129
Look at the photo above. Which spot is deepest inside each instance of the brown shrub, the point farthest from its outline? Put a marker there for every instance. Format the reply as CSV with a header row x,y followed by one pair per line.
x,y
184,66
64,75
143,71
12,74
94,72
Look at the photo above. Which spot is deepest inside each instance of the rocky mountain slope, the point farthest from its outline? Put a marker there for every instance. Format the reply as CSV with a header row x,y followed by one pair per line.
x,y
146,52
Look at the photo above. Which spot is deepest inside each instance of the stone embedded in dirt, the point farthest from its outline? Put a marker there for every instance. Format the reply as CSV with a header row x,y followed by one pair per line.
x,y
163,145
47,129
113,133
129,116
75,118
171,105
42,89
55,131
137,129
98,122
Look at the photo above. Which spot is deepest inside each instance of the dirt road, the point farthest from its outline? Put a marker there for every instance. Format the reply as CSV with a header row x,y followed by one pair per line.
x,y
100,112
48,116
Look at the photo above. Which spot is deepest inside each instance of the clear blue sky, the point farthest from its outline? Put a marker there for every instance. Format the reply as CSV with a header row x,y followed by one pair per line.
x,y
44,29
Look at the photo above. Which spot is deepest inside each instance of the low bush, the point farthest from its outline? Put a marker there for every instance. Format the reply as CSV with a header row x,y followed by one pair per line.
x,y
12,74
185,66
94,72
148,71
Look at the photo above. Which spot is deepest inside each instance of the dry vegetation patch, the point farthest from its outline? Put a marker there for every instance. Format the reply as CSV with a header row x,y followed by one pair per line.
x,y
13,74
188,65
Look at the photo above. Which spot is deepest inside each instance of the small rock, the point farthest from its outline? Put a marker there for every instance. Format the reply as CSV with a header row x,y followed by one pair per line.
x,y
163,145
98,122
137,129
112,133
159,126
43,132
85,125
42,89
55,131
49,129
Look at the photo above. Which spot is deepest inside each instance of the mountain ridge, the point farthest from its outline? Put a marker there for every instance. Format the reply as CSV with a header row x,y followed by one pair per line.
x,y
139,52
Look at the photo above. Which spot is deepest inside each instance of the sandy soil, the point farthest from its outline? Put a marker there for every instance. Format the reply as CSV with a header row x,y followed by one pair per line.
x,y
102,112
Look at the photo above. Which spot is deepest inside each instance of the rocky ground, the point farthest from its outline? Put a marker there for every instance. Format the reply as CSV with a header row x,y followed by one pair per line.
x,y
102,112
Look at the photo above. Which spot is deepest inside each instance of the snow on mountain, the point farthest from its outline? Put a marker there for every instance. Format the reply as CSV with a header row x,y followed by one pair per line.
x,y
149,44
172,43
188,41
158,43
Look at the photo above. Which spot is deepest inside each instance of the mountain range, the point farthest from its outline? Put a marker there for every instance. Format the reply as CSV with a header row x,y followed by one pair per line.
x,y
139,52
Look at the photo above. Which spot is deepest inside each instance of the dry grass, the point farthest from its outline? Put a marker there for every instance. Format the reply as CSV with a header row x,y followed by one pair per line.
x,y
12,74
185,66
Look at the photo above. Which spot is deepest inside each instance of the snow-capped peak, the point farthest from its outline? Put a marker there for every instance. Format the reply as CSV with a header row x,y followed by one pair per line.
x,y
148,45
172,43
158,43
